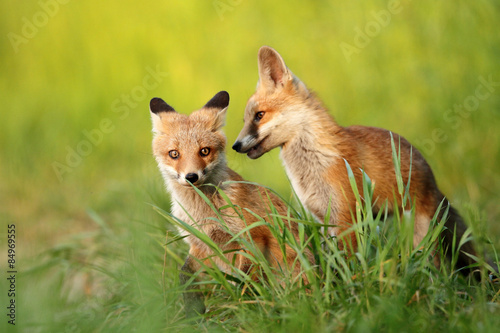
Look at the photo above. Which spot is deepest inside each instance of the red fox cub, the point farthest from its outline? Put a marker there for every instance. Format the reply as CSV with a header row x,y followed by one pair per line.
x,y
284,113
190,151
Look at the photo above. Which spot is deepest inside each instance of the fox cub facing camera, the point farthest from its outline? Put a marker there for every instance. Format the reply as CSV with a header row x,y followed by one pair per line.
x,y
190,153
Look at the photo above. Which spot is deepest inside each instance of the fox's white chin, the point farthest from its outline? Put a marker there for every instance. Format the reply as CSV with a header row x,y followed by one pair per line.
x,y
187,184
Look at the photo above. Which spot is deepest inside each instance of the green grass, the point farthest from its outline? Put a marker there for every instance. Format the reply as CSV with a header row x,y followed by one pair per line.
x,y
90,247
386,285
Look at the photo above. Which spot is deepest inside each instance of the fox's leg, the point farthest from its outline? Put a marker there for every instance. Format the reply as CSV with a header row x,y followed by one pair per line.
x,y
193,300
421,227
456,228
343,221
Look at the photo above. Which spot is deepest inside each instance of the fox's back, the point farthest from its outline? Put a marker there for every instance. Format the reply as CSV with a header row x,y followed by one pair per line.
x,y
370,149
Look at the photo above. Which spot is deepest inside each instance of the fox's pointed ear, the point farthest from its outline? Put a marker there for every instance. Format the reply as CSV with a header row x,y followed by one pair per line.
x,y
220,119
219,102
273,72
157,106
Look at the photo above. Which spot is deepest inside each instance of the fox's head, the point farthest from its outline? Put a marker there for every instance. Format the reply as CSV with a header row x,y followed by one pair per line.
x,y
275,110
190,149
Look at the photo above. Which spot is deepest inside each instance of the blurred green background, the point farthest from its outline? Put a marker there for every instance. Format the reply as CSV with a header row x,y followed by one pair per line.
x,y
71,69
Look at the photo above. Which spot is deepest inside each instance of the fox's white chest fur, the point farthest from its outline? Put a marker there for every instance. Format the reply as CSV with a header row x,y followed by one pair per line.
x,y
190,208
306,168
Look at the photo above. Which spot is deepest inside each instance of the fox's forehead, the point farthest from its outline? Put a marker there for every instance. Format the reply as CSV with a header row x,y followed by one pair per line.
x,y
185,134
251,107
260,102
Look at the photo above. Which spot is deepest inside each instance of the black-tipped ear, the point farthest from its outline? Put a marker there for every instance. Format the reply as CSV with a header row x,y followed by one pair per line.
x,y
158,105
219,101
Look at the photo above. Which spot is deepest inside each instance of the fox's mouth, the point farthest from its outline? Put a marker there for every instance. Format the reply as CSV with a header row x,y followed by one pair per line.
x,y
188,185
257,150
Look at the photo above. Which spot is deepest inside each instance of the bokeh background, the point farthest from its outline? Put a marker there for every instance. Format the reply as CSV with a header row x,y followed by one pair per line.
x,y
76,78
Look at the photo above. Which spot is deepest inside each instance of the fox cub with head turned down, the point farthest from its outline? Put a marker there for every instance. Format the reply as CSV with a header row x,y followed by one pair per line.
x,y
284,113
190,152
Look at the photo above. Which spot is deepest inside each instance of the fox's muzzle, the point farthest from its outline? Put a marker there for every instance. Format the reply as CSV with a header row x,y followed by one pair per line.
x,y
192,177
237,146
253,147
250,142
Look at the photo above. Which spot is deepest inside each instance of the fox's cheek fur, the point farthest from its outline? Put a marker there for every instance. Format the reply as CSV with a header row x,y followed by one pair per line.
x,y
168,171
210,171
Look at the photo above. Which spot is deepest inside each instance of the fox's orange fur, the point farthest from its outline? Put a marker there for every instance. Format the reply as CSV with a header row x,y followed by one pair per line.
x,y
191,148
284,113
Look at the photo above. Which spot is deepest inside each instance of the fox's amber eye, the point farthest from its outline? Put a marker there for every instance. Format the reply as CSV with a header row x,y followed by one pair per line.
x,y
259,115
173,154
205,151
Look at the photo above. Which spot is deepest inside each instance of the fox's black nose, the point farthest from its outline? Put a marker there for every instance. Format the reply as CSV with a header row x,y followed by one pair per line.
x,y
192,177
237,146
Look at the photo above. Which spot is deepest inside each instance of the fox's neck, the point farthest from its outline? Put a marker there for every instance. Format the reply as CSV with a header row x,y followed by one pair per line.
x,y
315,136
313,147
